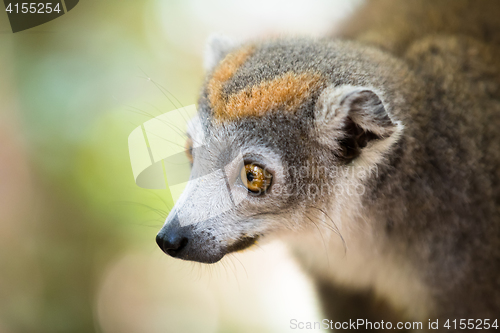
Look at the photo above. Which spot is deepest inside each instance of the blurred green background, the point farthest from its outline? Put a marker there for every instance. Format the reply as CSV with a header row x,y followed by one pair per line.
x,y
77,250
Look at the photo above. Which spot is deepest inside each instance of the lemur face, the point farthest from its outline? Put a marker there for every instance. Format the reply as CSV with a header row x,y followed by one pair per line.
x,y
280,139
245,184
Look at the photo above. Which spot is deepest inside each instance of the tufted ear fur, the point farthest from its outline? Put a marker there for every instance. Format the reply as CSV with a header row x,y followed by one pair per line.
x,y
218,46
354,122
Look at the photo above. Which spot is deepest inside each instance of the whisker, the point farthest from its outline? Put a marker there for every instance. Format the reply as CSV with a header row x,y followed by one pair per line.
x,y
336,229
141,112
165,93
231,257
322,238
182,106
174,143
147,77
179,131
162,200
244,268
158,211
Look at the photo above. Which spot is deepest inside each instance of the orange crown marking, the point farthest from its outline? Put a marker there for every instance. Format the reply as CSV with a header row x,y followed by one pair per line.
x,y
224,72
285,92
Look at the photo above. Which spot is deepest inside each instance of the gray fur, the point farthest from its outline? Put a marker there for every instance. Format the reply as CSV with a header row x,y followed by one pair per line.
x,y
423,236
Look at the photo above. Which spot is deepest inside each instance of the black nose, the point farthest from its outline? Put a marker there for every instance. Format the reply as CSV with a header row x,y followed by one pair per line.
x,y
172,244
173,238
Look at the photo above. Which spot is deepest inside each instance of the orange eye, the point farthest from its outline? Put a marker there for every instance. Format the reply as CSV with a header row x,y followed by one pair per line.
x,y
255,178
189,149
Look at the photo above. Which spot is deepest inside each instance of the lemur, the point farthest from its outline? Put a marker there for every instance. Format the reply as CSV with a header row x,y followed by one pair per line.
x,y
375,154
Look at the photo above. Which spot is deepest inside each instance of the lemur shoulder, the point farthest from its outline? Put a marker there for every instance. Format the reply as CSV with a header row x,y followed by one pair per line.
x,y
400,113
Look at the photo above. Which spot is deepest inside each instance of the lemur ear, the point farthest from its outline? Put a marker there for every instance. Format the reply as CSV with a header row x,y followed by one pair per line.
x,y
218,46
354,122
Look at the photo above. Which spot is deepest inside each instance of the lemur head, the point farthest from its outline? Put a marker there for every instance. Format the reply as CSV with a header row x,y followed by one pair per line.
x,y
289,126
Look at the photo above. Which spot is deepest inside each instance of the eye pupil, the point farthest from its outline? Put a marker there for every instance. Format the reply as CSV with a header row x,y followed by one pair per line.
x,y
250,176
255,178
